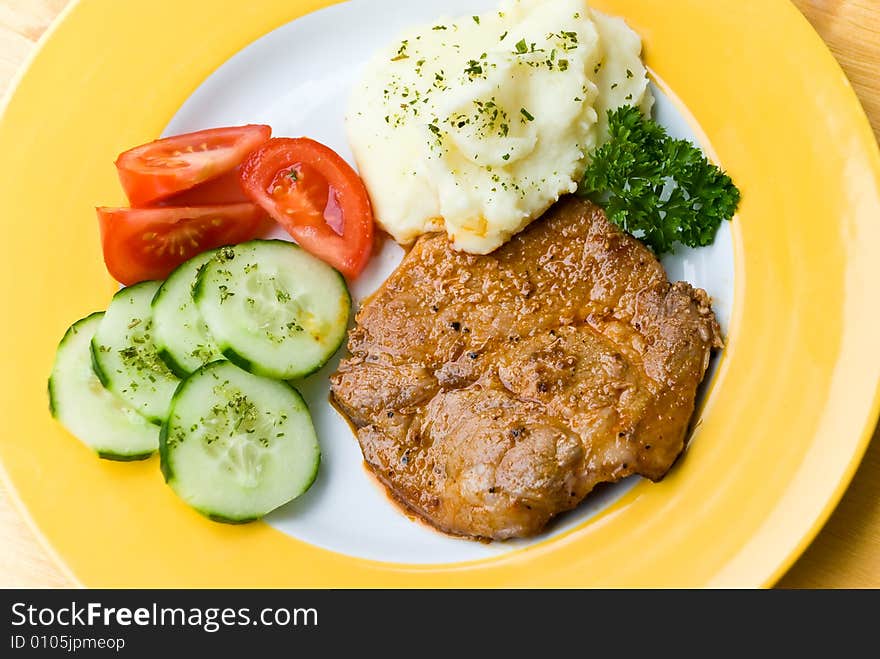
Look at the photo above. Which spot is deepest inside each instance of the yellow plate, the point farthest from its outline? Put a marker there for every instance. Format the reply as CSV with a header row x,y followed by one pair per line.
x,y
791,412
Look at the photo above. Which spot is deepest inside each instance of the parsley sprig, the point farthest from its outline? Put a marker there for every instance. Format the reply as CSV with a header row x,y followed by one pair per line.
x,y
659,189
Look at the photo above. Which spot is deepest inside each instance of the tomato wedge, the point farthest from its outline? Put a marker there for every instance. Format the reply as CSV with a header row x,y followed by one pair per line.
x,y
157,170
225,189
142,244
316,196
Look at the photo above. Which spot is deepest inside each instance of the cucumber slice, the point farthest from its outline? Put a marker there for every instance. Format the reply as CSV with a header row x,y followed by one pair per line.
x,y
236,445
100,420
124,356
181,336
273,308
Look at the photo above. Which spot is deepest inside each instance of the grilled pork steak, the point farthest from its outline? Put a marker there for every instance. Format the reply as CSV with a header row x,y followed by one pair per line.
x,y
491,393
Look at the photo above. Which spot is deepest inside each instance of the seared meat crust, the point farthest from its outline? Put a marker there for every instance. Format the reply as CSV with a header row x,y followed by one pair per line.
x,y
491,393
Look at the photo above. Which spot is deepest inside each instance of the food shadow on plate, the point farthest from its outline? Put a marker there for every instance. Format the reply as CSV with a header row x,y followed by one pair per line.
x,y
315,391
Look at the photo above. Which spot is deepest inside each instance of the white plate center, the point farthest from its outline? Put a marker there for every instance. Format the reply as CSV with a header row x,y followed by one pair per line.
x,y
297,79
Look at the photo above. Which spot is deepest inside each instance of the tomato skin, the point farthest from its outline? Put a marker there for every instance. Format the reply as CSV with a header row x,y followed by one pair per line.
x,y
156,170
225,189
305,187
142,244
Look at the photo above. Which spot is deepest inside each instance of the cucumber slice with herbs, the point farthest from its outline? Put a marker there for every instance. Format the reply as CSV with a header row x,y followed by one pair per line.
x,y
99,419
124,355
181,336
273,308
236,445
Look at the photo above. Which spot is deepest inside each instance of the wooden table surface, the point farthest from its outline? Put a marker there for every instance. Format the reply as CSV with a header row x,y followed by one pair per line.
x,y
846,554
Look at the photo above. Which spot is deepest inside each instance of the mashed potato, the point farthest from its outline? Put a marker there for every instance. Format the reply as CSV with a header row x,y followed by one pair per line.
x,y
476,126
